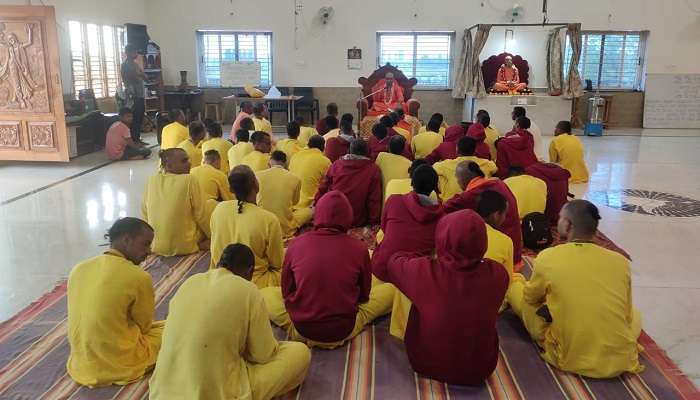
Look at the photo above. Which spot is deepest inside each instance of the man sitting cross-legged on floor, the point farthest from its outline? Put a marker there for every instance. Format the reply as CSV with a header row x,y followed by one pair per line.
x,y
529,191
326,296
310,165
243,221
113,338
408,224
218,343
173,204
446,168
360,181
451,332
279,193
577,305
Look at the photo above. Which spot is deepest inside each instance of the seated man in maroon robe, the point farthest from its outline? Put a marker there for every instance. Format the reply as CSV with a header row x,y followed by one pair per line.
x,y
517,148
359,179
388,96
379,140
508,78
447,150
557,180
451,332
477,131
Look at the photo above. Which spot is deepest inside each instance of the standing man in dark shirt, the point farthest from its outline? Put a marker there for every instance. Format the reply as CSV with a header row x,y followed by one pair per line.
x,y
133,76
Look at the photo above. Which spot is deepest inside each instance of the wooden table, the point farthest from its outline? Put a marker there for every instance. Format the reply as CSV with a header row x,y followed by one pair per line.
x,y
289,99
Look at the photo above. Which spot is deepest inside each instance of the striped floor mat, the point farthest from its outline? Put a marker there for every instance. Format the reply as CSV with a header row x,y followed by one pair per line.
x,y
33,352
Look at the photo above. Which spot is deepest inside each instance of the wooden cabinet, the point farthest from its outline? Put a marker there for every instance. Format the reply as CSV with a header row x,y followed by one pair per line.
x,y
154,96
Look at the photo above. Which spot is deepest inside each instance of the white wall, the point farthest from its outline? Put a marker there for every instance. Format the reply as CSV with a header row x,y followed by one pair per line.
x,y
106,12
319,57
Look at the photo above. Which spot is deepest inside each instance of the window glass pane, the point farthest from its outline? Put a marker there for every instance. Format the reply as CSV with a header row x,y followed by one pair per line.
x,y
397,50
94,61
110,60
221,47
77,57
425,57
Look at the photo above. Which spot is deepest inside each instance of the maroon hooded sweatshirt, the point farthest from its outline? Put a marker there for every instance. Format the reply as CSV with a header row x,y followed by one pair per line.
x,y
557,180
447,150
511,226
335,148
321,126
377,146
451,332
361,182
408,225
326,274
477,132
517,148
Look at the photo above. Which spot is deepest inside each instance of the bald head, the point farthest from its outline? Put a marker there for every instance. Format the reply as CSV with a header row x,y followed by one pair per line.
x,y
578,219
466,171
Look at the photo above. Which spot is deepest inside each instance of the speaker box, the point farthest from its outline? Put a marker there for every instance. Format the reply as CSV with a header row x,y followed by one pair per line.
x,y
138,36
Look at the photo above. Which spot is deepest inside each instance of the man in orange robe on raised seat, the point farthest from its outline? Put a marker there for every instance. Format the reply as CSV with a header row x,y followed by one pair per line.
x,y
388,96
508,78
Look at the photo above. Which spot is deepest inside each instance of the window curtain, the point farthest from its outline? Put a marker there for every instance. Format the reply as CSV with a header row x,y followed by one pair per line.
x,y
482,34
554,62
572,85
463,80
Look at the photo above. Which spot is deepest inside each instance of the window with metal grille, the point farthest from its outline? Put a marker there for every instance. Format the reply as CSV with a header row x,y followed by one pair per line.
x,y
611,60
426,56
96,57
216,47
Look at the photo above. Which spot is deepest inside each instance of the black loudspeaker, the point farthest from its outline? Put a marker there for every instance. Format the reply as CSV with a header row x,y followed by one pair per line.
x,y
138,36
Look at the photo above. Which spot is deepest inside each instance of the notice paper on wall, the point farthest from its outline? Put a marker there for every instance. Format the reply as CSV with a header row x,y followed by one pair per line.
x,y
240,73
672,101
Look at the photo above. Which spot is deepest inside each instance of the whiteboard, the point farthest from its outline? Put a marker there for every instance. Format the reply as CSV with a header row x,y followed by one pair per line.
x,y
240,73
672,101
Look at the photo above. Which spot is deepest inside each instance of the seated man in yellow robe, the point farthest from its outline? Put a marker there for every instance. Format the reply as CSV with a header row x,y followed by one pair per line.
x,y
112,336
212,182
567,150
175,132
173,205
259,158
492,133
243,221
242,148
279,193
291,145
218,143
508,78
305,132
446,169
219,345
310,166
529,191
577,305
403,186
258,117
425,142
193,145
388,95
392,164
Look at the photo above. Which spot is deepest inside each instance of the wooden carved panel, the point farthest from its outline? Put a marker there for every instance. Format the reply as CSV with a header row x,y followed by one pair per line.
x,y
23,85
42,136
10,135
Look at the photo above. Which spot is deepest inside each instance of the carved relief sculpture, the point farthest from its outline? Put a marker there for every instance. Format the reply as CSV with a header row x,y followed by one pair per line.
x,y
22,72
9,134
41,136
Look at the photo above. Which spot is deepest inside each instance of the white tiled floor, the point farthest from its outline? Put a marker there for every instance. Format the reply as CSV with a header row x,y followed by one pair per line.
x,y
44,234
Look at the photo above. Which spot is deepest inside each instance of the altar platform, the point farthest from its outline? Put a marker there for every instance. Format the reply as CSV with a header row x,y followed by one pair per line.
x,y
545,110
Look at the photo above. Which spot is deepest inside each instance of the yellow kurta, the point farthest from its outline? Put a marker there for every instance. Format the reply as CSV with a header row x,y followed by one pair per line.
x,y
305,133
405,133
331,134
222,146
567,150
401,186
232,353
174,206
279,193
173,134
256,228
262,124
238,152
588,291
310,166
212,183
448,180
290,147
492,135
530,193
256,160
424,143
392,166
113,338
194,152
500,249
441,132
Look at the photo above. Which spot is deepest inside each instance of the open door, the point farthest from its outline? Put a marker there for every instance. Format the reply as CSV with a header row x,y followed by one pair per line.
x,y
32,121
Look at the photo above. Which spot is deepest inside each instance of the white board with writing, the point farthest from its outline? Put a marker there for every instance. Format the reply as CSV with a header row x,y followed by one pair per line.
x,y
240,73
672,101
